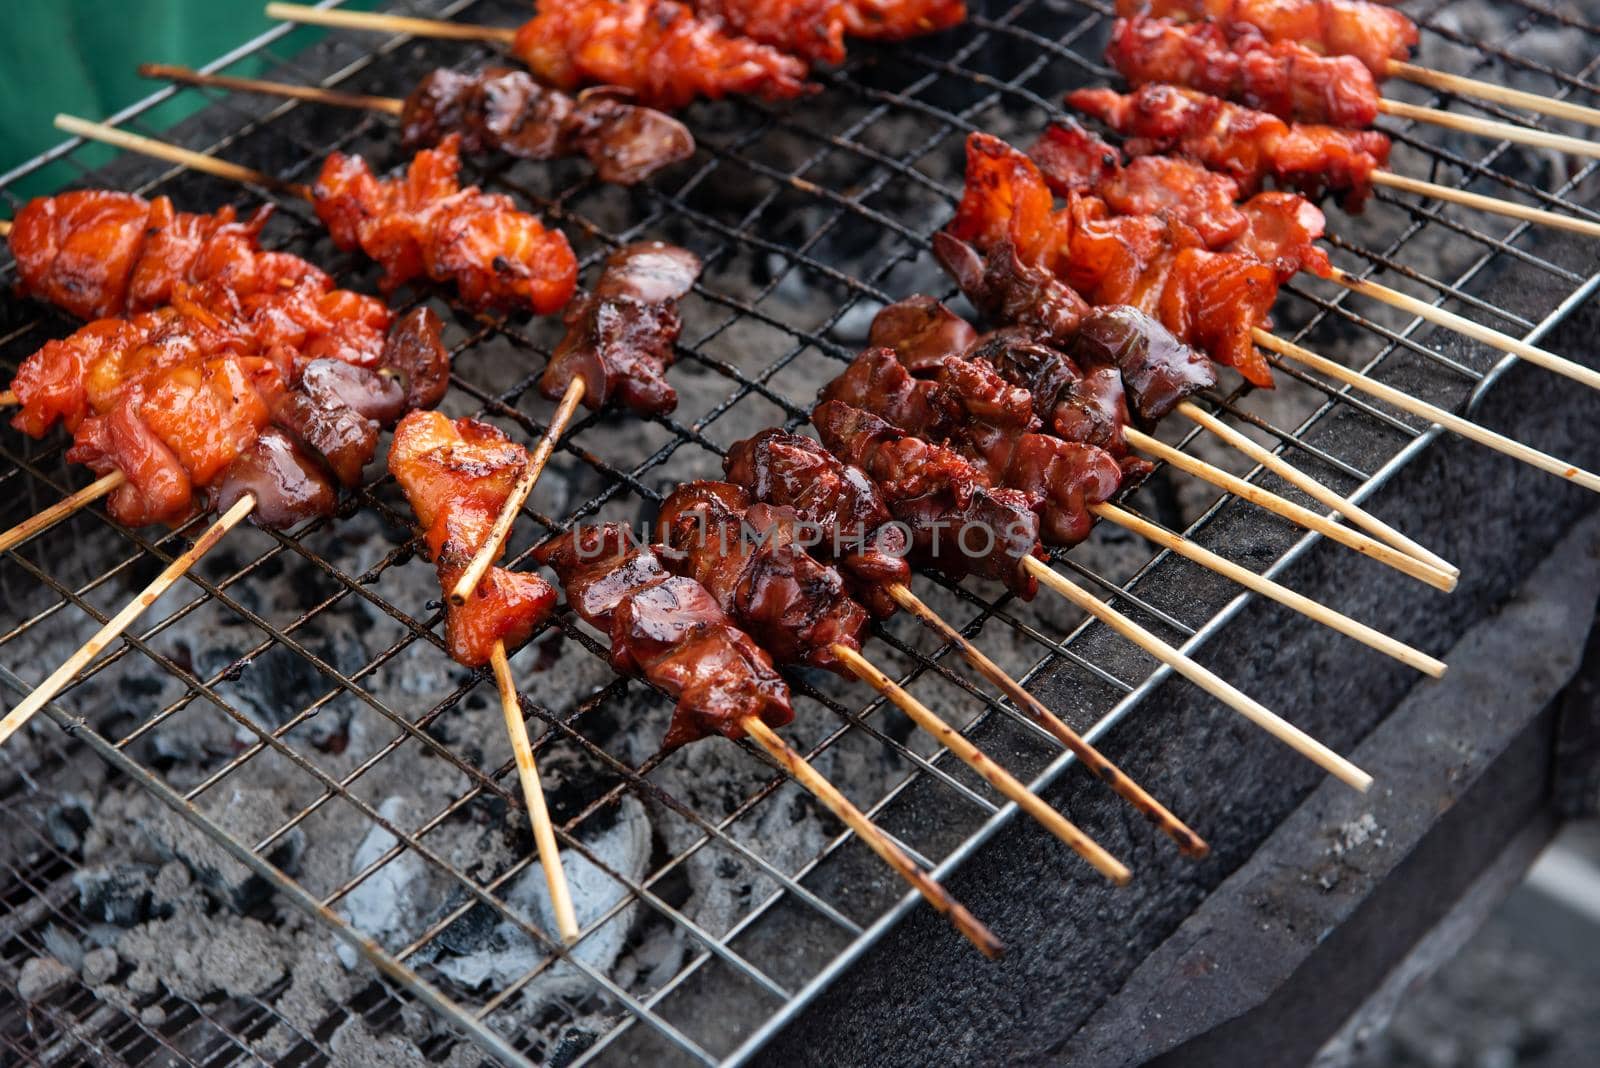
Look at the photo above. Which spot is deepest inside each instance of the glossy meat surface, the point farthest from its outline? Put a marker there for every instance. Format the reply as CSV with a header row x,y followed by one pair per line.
x,y
995,429
793,605
1372,33
1209,300
671,630
1089,407
956,521
922,332
1157,370
501,110
457,476
98,253
815,30
1284,78
620,337
427,225
658,49
1248,145
793,471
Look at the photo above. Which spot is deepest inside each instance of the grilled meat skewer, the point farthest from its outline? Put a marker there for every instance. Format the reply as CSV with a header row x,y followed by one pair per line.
x,y
498,109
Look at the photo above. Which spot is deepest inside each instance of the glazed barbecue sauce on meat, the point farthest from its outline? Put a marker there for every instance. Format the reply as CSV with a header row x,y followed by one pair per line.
x,y
457,477
747,554
671,630
503,110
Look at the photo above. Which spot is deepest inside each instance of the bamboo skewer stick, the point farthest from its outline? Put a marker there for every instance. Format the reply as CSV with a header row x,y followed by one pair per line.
x,y
1189,843
1357,515
363,20
1431,412
1499,94
880,843
1305,517
992,773
1501,131
49,517
1479,202
1467,328
198,161
544,834
490,550
46,690
8,398
1315,610
315,94
1251,709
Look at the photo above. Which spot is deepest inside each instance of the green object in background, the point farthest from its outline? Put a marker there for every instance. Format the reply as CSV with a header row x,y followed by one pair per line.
x,y
81,57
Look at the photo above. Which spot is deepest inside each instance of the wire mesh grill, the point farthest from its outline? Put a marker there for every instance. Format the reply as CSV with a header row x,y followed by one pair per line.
x,y
808,217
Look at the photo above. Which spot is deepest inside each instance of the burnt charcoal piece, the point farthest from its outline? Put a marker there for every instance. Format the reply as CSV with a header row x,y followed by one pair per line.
x,y
119,895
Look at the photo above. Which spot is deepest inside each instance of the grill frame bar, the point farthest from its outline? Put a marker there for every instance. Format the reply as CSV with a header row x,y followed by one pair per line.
x,y
797,260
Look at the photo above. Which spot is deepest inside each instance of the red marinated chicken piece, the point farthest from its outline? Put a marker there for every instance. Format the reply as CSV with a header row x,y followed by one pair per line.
x,y
426,225
671,630
815,29
1276,227
96,254
1374,34
1250,146
659,49
457,476
1238,63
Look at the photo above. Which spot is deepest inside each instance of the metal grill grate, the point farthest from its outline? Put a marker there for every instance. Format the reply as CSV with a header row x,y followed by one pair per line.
x,y
808,217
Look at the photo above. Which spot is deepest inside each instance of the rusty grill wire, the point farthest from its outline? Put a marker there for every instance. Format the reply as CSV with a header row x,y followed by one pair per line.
x,y
836,194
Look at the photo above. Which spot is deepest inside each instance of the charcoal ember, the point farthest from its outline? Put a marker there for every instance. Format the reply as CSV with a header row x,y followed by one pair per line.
x,y
279,682
573,1043
65,821
470,932
41,977
63,946
121,894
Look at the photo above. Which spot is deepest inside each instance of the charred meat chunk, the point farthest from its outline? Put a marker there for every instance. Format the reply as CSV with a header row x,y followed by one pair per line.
x,y
620,338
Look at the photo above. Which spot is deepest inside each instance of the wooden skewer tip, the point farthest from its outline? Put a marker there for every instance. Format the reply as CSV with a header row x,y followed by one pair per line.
x,y
1357,515
63,508
1229,695
1305,517
1189,843
1433,413
544,834
490,551
874,837
969,754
